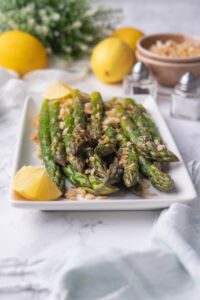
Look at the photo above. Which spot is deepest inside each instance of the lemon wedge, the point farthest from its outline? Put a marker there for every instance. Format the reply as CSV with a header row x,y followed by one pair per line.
x,y
57,91
33,183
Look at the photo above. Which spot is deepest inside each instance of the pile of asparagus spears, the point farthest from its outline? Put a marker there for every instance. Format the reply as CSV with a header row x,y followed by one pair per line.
x,y
102,146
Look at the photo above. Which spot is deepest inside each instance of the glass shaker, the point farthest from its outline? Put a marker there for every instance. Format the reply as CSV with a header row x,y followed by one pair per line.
x,y
140,81
185,102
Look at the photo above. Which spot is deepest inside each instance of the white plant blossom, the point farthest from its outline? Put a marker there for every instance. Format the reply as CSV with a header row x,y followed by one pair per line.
x,y
83,47
99,23
55,17
68,49
56,33
88,38
49,50
42,12
68,28
31,22
29,8
13,24
76,24
38,28
91,12
44,29
45,19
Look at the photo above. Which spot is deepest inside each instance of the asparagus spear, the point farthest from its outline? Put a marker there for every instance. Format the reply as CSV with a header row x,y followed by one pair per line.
x,y
146,119
148,130
150,149
77,178
162,165
101,188
137,117
84,97
152,127
109,104
95,125
91,183
78,135
150,123
45,142
128,159
137,189
162,181
95,162
107,144
147,147
76,161
57,145
114,172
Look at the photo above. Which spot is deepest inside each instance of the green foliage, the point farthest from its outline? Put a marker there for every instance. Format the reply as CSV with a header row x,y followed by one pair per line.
x,y
67,28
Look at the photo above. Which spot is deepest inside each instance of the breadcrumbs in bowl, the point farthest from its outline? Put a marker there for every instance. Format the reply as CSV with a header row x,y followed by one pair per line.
x,y
173,49
170,47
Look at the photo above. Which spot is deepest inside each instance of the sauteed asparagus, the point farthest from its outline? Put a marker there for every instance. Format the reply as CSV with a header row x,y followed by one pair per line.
x,y
101,146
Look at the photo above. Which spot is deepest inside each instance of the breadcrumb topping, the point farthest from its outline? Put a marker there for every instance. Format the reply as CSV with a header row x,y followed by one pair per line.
x,y
88,108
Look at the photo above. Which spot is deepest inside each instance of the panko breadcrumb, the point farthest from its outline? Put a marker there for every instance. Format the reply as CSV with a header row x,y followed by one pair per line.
x,y
111,121
105,139
119,137
36,122
150,194
65,103
62,125
88,108
89,197
62,114
101,197
145,184
35,138
71,193
39,153
82,192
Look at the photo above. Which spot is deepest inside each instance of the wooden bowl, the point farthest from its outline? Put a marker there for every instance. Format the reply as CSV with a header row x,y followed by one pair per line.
x,y
169,73
146,42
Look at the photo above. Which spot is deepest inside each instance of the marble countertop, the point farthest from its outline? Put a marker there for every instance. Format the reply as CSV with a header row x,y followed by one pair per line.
x,y
24,232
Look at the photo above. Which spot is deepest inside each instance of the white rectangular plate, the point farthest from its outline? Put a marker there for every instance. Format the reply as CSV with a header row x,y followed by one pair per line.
x,y
25,155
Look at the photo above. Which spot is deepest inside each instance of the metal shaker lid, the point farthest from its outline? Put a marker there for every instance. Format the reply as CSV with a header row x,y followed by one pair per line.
x,y
140,71
187,83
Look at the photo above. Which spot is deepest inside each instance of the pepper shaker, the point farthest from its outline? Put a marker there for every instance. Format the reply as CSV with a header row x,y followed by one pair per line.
x,y
140,81
185,102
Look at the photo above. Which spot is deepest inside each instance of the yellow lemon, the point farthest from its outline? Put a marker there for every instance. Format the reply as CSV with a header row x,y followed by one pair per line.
x,y
129,35
33,183
111,60
58,91
21,52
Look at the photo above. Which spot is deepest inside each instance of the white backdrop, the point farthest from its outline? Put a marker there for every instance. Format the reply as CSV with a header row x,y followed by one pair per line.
x,y
160,15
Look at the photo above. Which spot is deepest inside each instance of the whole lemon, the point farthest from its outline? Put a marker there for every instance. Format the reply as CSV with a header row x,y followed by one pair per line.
x,y
129,35
111,60
21,52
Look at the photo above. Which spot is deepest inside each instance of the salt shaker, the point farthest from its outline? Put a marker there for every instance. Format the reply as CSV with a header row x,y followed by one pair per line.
x,y
185,100
140,81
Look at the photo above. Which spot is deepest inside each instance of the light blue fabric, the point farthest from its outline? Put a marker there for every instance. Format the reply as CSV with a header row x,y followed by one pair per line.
x,y
169,269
